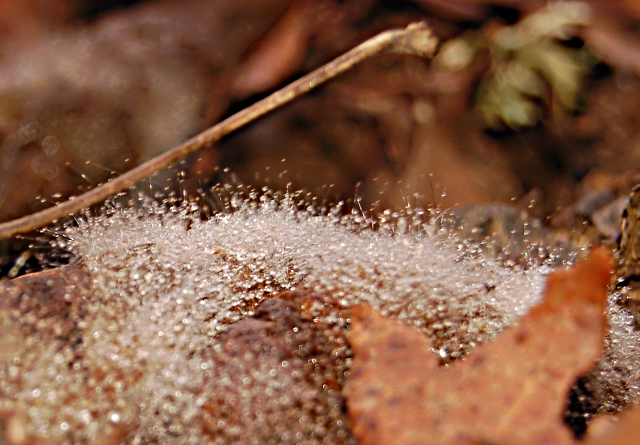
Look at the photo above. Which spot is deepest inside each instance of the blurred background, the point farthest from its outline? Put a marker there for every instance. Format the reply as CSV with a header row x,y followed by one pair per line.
x,y
531,109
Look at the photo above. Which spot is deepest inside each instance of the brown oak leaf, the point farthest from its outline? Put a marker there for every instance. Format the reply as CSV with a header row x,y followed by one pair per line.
x,y
622,430
512,390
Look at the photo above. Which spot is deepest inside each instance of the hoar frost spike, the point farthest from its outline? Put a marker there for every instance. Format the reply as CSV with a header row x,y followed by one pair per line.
x,y
162,344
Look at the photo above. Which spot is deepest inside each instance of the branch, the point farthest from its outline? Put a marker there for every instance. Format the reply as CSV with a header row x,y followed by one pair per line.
x,y
416,39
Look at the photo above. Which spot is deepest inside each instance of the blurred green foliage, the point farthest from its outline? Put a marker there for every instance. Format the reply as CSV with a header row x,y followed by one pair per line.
x,y
529,64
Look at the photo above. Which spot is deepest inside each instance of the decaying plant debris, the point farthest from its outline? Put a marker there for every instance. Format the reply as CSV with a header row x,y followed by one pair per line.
x,y
276,322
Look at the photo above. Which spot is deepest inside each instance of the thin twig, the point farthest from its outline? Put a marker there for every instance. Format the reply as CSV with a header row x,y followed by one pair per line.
x,y
416,39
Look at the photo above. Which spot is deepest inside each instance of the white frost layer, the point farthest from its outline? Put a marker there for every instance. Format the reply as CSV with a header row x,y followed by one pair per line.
x,y
163,290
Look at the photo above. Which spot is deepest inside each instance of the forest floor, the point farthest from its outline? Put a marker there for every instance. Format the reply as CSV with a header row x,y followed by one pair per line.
x,y
523,130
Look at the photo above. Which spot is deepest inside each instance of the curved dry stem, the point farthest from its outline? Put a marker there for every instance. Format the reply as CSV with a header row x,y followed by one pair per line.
x,y
416,39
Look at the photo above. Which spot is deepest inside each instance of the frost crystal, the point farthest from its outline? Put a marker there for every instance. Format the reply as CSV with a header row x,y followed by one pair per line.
x,y
173,319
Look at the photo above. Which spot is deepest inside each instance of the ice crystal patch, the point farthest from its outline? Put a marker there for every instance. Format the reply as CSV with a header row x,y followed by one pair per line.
x,y
171,295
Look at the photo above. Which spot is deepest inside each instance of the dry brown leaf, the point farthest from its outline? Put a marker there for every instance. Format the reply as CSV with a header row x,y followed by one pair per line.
x,y
623,430
12,430
51,303
279,53
275,377
512,390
